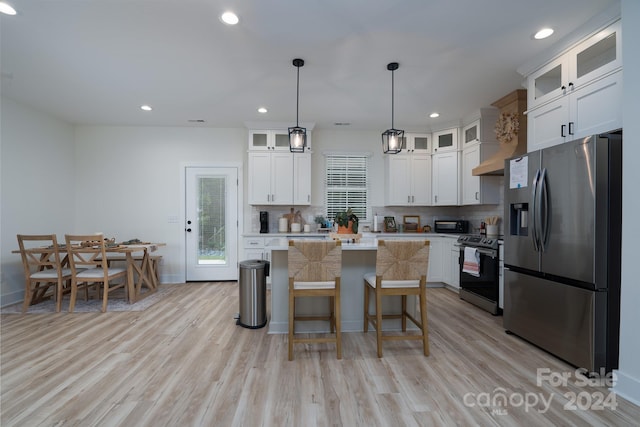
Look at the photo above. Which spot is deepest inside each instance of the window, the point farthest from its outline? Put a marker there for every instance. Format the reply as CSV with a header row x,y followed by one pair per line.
x,y
346,184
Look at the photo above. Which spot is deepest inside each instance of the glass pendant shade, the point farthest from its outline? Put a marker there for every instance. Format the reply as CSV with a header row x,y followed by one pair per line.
x,y
392,138
297,139
392,141
297,134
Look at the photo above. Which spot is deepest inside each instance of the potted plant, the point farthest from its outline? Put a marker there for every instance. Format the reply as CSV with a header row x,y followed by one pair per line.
x,y
347,222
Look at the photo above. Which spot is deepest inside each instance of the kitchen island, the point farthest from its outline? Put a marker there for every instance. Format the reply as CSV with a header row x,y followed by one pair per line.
x,y
357,259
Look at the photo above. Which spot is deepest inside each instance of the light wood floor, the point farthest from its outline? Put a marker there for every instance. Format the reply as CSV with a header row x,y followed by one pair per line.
x,y
183,362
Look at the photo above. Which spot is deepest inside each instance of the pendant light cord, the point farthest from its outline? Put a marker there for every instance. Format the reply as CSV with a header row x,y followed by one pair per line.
x,y
392,71
297,96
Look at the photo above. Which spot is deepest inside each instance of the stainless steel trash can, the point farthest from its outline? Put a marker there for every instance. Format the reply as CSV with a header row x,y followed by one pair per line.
x,y
252,279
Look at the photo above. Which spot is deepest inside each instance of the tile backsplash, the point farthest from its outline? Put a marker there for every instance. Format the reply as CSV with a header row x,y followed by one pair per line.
x,y
475,214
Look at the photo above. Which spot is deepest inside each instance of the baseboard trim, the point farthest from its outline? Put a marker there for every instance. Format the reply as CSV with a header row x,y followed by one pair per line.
x,y
627,387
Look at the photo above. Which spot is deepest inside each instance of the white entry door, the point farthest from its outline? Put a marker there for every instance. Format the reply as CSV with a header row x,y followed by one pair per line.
x,y
211,223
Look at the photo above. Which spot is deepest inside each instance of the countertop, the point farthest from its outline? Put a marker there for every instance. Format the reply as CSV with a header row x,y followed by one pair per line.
x,y
369,241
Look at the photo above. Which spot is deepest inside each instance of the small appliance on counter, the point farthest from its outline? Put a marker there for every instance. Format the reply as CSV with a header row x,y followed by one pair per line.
x,y
455,226
264,222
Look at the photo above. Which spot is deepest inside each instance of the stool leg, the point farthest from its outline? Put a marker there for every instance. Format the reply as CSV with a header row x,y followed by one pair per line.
x,y
291,317
366,307
378,321
404,313
338,327
332,315
423,318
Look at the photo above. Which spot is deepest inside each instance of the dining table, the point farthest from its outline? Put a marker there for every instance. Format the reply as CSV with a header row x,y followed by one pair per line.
x,y
142,279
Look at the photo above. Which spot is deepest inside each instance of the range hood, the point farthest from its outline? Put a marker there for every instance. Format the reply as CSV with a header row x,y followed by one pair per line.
x,y
511,132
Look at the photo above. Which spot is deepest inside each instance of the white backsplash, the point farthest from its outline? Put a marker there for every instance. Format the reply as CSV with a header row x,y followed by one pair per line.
x,y
475,214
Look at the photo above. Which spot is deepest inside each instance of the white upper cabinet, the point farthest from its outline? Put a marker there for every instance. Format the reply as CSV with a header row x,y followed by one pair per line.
x,y
419,143
277,176
445,178
482,129
577,94
408,180
479,190
594,57
272,140
445,140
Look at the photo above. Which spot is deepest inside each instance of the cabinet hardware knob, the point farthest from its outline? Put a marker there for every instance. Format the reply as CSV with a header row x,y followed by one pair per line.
x,y
188,230
563,87
562,134
570,128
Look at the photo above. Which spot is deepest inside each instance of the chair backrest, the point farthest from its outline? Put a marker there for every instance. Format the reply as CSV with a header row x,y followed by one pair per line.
x,y
402,259
39,252
315,260
86,251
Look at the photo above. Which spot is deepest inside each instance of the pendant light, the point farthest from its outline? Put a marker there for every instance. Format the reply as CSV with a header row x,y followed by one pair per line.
x,y
392,138
297,135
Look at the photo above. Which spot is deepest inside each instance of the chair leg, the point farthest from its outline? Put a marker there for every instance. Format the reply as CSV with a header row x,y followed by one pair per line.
x,y
74,291
338,327
291,316
366,307
332,315
404,313
59,296
423,318
378,321
105,296
27,297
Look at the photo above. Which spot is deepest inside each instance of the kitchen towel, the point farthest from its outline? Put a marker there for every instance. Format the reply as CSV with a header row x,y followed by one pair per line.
x,y
471,264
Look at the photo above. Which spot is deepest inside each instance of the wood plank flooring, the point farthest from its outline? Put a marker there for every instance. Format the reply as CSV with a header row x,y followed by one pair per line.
x,y
184,362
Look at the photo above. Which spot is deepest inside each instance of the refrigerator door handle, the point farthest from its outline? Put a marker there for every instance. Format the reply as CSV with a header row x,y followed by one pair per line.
x,y
534,212
544,209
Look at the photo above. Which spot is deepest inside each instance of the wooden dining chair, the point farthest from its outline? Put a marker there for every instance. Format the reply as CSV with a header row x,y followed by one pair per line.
x,y
401,269
315,267
45,276
86,254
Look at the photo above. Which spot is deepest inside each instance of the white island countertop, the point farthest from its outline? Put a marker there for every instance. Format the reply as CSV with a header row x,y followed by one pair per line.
x,y
369,241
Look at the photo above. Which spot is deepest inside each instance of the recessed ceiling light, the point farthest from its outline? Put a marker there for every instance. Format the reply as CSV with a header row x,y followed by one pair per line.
x,y
146,107
434,115
262,110
6,8
543,33
342,124
229,18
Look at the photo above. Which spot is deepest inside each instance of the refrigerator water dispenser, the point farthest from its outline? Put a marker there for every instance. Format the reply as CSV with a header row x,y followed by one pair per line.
x,y
519,219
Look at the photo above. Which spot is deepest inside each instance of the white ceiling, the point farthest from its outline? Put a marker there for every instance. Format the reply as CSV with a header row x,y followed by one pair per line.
x,y
96,61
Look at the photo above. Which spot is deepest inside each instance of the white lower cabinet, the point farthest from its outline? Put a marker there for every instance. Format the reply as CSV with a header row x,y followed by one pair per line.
x,y
436,270
254,248
454,265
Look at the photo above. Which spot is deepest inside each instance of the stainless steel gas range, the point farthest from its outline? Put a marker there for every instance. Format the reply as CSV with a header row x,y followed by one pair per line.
x,y
479,272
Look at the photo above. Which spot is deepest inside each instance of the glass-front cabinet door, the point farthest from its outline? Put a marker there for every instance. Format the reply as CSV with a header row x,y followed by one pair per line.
x,y
548,82
598,55
445,140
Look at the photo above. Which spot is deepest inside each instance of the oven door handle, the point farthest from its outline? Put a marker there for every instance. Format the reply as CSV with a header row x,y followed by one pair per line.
x,y
488,252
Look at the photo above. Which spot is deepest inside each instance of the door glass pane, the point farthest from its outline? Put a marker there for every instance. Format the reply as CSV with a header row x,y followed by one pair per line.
x,y
549,81
445,140
421,143
471,134
259,140
597,55
211,218
282,140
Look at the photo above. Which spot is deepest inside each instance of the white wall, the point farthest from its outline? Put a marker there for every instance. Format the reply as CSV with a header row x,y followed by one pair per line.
x,y
38,186
628,384
129,181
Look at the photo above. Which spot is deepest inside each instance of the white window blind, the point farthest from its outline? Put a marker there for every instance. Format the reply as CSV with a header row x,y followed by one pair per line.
x,y
347,184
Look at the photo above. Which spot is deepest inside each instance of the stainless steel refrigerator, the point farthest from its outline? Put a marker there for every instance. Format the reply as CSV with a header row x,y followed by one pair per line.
x,y
562,239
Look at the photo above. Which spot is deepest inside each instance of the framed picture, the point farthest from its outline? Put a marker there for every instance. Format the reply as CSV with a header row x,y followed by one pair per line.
x,y
411,223
390,224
